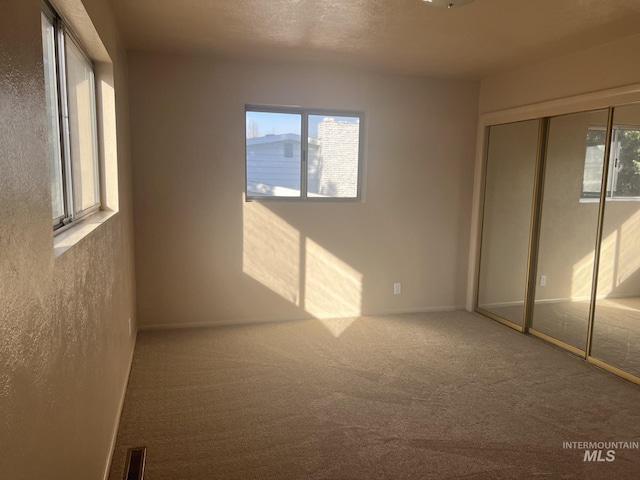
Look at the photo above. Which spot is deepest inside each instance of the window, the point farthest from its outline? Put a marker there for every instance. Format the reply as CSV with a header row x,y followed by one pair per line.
x,y
623,179
71,122
303,154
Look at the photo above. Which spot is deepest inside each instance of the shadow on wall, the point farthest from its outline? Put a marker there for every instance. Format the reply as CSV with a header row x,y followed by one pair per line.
x,y
299,270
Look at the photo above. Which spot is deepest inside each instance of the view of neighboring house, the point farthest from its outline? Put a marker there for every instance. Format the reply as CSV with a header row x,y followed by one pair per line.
x,y
274,162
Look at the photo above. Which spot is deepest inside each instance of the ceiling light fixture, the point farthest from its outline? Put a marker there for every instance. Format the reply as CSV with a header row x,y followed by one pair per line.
x,y
448,3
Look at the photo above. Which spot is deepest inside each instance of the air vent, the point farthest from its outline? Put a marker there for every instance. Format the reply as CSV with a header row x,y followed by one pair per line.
x,y
134,467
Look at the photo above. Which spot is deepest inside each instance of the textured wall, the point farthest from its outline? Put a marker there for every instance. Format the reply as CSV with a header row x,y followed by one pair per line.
x,y
64,338
605,66
204,255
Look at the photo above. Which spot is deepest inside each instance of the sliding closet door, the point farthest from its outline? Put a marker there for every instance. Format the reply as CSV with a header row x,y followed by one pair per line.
x,y
616,328
510,172
568,229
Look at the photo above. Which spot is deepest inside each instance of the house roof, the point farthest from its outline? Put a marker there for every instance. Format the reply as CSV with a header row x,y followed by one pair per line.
x,y
285,137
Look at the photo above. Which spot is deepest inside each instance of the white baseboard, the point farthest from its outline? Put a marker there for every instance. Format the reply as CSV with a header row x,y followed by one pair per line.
x,y
114,434
222,323
554,300
486,306
563,300
584,298
400,311
254,321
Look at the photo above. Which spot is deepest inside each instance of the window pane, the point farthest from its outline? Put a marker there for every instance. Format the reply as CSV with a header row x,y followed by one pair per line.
x,y
53,125
333,156
627,163
82,129
273,154
593,162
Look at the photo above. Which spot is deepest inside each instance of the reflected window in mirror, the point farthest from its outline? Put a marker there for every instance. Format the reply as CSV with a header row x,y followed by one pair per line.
x,y
623,176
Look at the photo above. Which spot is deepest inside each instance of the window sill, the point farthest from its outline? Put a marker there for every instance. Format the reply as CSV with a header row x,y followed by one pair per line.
x,y
74,234
306,199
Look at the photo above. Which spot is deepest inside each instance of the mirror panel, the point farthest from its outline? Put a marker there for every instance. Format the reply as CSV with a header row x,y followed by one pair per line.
x,y
569,226
511,162
616,328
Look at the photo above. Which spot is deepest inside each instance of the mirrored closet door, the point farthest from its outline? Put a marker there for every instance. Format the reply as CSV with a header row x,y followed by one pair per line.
x,y
508,200
559,254
568,228
616,325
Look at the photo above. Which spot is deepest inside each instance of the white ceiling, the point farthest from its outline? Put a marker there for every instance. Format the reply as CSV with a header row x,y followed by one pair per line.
x,y
407,36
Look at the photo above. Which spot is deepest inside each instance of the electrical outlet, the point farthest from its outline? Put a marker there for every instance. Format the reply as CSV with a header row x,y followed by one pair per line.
x,y
543,280
397,288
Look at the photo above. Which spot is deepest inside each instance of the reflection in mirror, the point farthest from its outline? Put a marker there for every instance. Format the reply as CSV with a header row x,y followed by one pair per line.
x,y
570,208
616,329
511,160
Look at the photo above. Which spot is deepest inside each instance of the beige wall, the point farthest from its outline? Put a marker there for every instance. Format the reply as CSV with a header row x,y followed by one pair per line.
x,y
205,256
599,68
65,345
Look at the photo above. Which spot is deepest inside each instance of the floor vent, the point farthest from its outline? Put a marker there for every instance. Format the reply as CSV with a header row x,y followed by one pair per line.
x,y
134,467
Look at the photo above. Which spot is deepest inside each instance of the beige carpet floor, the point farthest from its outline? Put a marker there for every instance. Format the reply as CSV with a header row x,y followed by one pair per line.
x,y
420,396
616,332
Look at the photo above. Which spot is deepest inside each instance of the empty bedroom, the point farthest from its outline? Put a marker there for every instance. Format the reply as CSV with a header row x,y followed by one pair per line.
x,y
320,239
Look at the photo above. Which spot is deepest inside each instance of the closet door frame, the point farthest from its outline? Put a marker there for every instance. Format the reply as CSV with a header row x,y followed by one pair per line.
x,y
609,99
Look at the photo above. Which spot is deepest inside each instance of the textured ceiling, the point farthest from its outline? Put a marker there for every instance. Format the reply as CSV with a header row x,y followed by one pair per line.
x,y
407,36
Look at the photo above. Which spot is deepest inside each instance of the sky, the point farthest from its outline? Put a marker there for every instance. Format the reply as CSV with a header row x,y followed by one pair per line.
x,y
280,123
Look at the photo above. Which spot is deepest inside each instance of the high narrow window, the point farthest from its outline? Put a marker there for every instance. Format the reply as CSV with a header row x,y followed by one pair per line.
x,y
71,122
302,154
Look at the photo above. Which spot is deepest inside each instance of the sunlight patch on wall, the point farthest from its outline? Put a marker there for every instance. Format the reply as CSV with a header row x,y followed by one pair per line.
x,y
581,277
271,252
332,287
108,143
619,261
629,261
299,270
607,271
